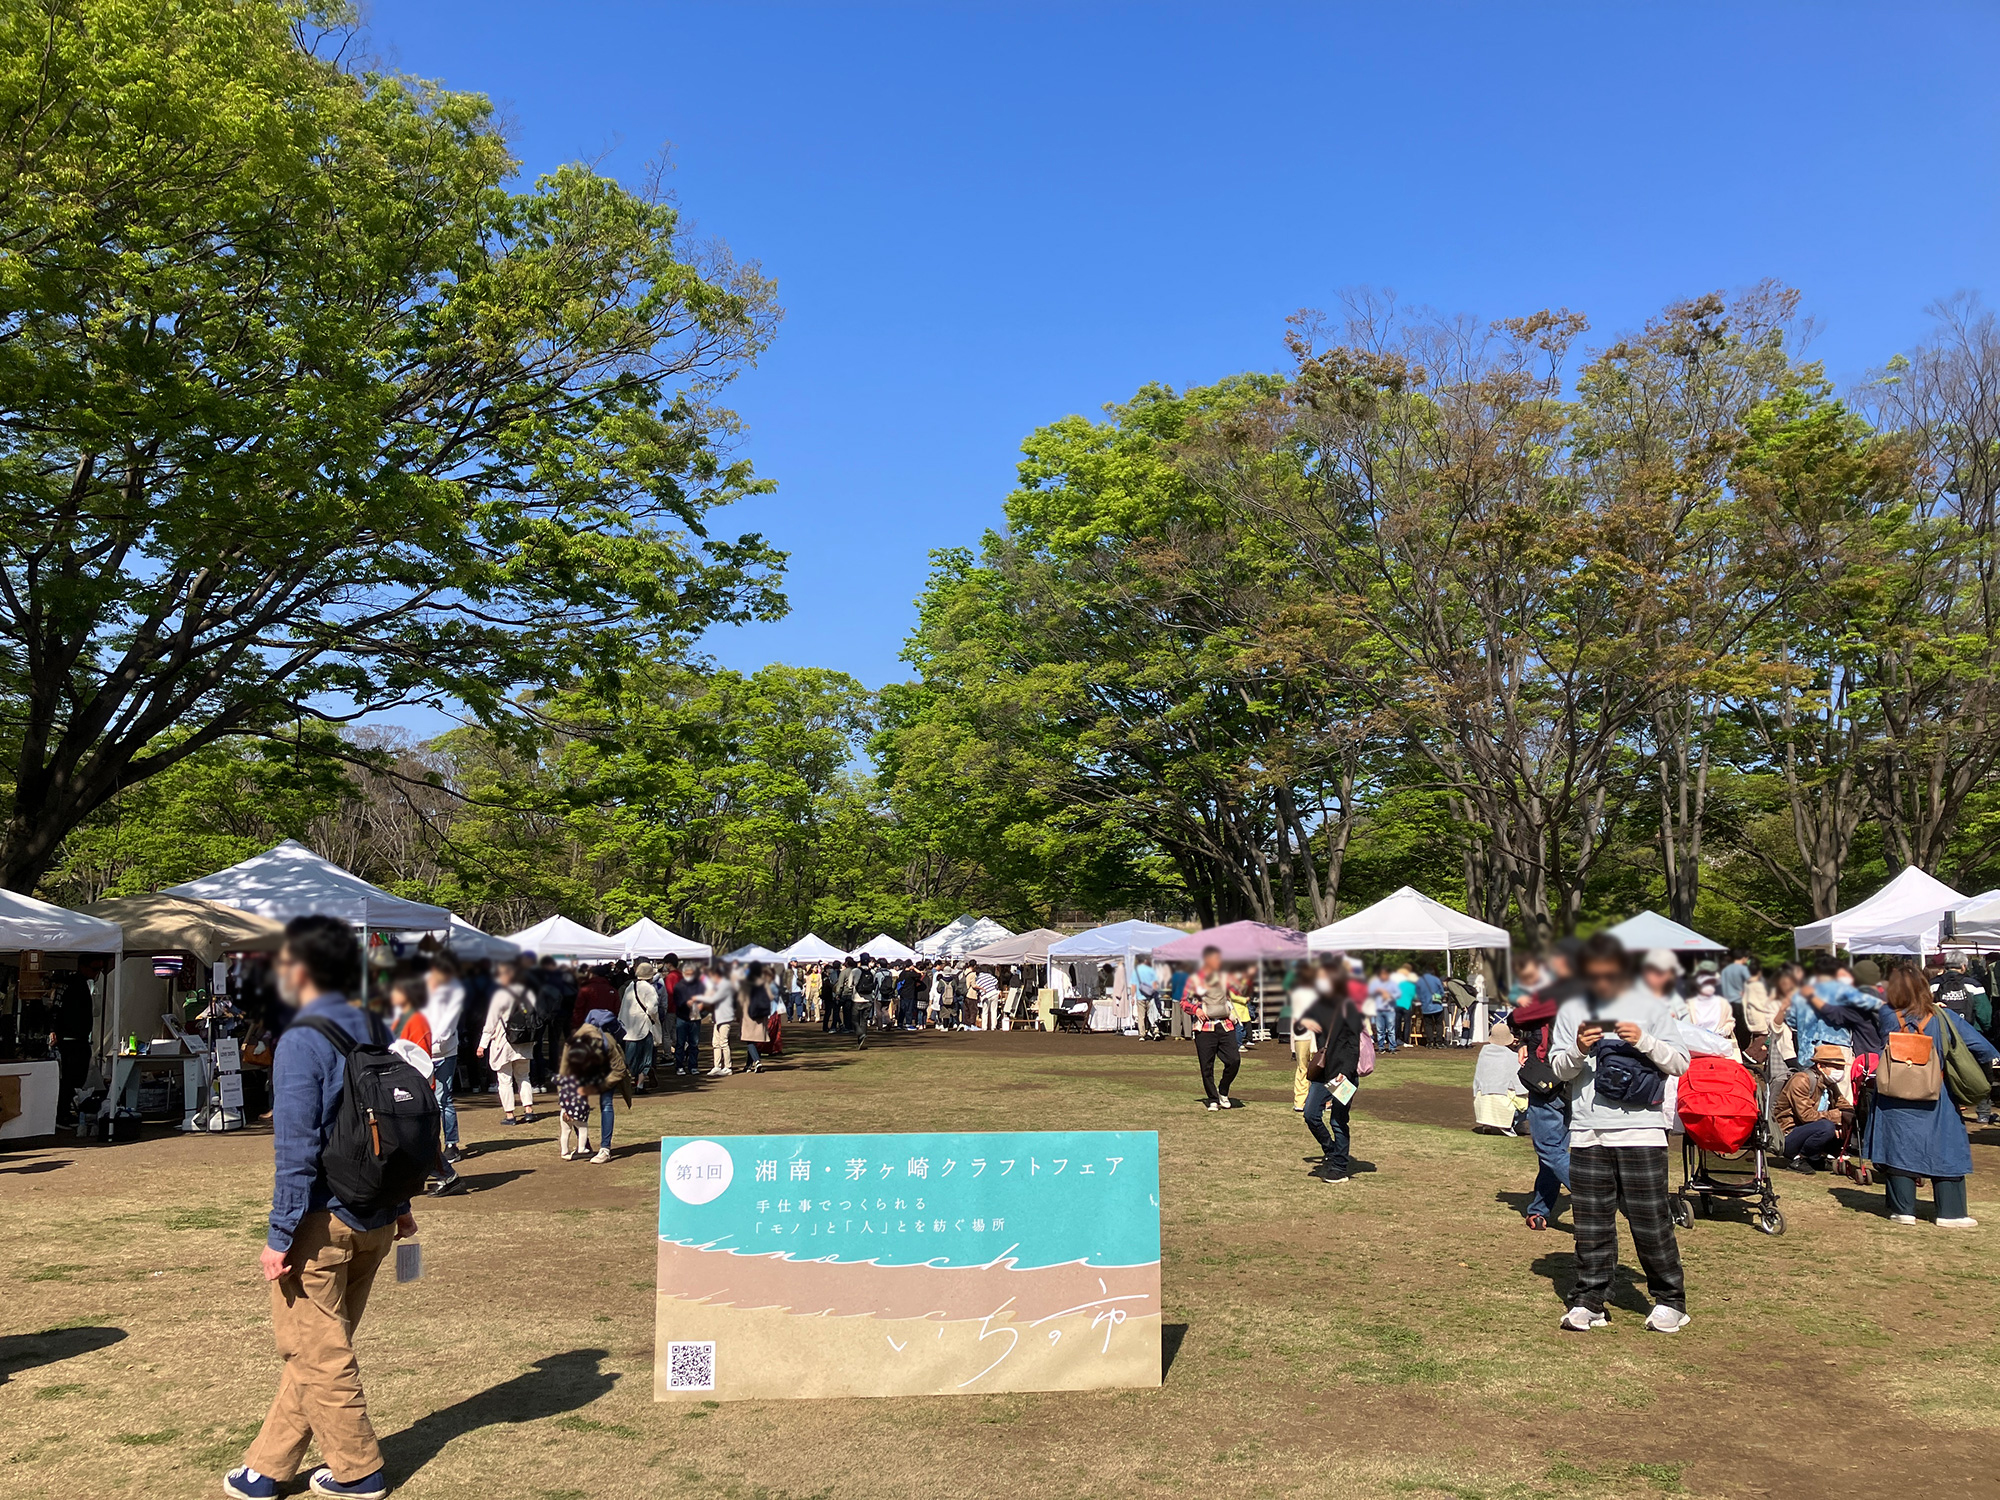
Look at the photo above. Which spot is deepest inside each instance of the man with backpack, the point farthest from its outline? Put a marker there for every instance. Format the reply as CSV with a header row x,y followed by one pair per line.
x,y
355,1130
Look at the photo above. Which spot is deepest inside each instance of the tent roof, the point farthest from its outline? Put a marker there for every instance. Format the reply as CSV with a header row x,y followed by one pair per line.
x,y
1912,900
646,938
1650,930
1407,918
1116,940
292,881
753,953
1978,920
1922,935
1030,947
1240,942
811,949
883,946
471,942
27,924
560,936
962,935
161,923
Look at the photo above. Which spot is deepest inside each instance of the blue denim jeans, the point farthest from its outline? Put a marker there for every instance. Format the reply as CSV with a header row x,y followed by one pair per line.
x,y
1332,1143
1548,1125
606,1116
687,1044
639,1058
443,1070
1385,1030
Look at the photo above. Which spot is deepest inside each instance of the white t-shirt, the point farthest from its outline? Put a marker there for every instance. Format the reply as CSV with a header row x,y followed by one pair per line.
x,y
446,1003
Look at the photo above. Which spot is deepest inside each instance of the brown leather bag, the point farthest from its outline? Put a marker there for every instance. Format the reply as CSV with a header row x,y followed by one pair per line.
x,y
1910,1066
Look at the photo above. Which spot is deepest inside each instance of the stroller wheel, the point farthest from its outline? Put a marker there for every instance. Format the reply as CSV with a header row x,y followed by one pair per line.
x,y
1682,1212
1771,1221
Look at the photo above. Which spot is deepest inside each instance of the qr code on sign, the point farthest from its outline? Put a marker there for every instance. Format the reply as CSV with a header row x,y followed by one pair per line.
x,y
690,1367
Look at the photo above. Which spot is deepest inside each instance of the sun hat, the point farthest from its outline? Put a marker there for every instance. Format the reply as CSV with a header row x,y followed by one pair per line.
x,y
1828,1052
1500,1035
644,971
1664,959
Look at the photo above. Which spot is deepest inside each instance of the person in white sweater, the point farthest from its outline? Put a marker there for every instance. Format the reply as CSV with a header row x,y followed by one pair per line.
x,y
1615,1051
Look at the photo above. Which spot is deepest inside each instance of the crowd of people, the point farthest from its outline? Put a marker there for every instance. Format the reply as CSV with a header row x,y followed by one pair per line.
x,y
1867,1070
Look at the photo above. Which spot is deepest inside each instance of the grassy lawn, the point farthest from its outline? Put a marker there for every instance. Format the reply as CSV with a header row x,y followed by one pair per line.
x,y
1393,1337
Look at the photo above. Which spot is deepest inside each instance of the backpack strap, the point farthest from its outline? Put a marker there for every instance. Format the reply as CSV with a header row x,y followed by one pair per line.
x,y
342,1042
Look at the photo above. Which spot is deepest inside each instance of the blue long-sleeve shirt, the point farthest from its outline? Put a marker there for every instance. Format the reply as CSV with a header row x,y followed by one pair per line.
x,y
1809,1028
307,1077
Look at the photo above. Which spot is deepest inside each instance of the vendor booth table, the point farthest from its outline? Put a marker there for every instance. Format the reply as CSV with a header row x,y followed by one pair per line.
x,y
53,950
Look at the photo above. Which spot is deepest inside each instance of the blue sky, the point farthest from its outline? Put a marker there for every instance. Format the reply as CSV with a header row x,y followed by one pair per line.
x,y
983,218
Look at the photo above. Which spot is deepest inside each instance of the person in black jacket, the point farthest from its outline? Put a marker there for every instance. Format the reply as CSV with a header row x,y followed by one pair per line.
x,y
1335,1023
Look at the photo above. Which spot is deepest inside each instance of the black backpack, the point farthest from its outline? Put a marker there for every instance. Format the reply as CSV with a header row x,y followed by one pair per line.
x,y
522,1021
864,982
385,1138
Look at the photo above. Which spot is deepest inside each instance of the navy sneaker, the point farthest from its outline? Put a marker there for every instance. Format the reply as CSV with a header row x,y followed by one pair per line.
x,y
247,1484
374,1487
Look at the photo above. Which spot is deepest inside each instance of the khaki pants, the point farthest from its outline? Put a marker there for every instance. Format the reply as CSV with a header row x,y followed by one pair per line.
x,y
315,1307
1302,1051
720,1040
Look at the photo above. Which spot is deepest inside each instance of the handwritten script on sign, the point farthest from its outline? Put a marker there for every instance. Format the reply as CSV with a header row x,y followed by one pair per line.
x,y
895,1265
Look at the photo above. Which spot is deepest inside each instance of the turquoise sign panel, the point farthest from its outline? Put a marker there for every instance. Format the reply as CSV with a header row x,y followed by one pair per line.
x,y
1029,1199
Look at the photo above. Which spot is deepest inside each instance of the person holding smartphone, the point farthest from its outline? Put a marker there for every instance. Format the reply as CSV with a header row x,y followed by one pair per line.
x,y
1618,1145
1334,1022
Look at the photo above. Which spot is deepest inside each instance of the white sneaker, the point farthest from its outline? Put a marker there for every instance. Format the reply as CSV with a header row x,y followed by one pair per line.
x,y
1213,1105
1665,1319
1582,1320
1958,1223
603,1155
1227,1102
1902,1218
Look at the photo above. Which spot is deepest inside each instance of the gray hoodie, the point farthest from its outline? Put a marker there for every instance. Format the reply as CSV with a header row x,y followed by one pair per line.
x,y
1660,1041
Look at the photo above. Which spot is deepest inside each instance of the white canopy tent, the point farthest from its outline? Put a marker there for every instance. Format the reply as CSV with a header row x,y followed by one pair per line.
x,y
883,946
562,938
291,881
1975,924
469,942
1913,900
1408,919
812,949
646,938
960,936
1919,937
31,926
1650,930
753,953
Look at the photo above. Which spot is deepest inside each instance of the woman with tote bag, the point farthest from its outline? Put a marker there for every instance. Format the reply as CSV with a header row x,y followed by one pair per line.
x,y
1914,1127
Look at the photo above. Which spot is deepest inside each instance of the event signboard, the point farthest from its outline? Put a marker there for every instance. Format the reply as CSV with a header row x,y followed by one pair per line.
x,y
899,1265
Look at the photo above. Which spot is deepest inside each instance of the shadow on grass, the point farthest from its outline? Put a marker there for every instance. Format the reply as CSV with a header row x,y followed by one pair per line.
x,y
37,1166
1519,1202
1559,1270
480,1182
557,1384
1871,1201
1172,1336
25,1351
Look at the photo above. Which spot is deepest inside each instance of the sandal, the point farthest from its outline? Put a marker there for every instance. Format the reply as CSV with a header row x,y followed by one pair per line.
x,y
1537,1221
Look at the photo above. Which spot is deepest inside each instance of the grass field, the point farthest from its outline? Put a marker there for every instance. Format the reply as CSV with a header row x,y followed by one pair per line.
x,y
1393,1337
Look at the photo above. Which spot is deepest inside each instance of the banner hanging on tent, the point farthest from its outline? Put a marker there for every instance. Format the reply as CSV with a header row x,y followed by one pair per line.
x,y
902,1265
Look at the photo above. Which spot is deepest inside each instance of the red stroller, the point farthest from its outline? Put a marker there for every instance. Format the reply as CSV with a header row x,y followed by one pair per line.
x,y
1725,1119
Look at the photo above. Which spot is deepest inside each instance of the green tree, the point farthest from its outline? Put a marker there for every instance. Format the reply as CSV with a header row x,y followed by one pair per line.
x,y
304,413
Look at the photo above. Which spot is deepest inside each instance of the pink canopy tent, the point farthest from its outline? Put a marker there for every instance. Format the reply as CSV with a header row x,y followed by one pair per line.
x,y
1240,942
